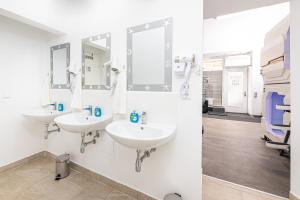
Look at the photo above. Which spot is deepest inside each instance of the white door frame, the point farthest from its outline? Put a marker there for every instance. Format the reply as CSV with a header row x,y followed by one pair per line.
x,y
244,108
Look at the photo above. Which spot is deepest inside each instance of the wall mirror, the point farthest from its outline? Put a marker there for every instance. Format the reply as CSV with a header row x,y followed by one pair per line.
x,y
96,51
149,56
60,61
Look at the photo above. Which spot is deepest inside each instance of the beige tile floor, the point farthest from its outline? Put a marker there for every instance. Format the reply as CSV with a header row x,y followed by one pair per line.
x,y
215,189
35,181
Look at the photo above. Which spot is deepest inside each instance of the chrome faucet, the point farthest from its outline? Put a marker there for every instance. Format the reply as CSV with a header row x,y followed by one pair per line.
x,y
144,117
90,109
54,105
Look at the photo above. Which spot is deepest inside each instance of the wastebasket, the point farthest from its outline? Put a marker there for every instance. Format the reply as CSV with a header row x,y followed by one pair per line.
x,y
62,166
173,196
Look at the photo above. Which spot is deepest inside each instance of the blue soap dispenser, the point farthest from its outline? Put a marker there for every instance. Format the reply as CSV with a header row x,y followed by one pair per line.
x,y
134,117
98,111
61,107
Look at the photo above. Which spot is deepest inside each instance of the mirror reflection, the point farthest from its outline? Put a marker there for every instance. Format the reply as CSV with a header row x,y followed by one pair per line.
x,y
60,61
96,62
148,60
149,56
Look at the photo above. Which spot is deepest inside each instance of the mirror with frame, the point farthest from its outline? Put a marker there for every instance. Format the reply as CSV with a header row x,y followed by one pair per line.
x,y
59,63
149,56
96,62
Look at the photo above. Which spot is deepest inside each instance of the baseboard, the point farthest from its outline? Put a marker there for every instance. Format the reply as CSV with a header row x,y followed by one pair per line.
x,y
235,186
123,188
293,197
22,161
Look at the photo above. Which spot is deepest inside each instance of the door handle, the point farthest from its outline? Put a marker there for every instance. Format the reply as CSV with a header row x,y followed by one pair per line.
x,y
245,94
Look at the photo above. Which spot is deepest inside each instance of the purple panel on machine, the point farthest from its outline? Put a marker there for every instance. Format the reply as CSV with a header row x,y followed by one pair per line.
x,y
274,116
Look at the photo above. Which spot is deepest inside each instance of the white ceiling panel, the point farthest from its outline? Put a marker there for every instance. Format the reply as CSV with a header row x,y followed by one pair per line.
x,y
214,8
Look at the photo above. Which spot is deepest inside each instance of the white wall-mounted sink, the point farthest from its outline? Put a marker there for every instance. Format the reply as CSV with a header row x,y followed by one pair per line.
x,y
81,122
138,136
43,115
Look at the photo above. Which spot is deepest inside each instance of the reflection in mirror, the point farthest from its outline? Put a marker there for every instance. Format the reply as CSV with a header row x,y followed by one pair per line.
x,y
60,61
149,56
96,62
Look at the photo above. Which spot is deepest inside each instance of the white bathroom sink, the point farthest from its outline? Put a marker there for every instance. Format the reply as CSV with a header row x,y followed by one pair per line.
x,y
81,122
43,115
140,136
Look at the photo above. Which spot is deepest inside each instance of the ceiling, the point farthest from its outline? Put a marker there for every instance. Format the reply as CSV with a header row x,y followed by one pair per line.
x,y
214,8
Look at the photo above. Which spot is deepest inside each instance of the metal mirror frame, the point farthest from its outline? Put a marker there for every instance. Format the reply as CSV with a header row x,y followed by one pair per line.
x,y
107,86
52,49
168,27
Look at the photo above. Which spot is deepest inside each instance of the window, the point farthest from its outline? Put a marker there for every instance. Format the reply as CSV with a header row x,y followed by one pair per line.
x,y
238,60
213,64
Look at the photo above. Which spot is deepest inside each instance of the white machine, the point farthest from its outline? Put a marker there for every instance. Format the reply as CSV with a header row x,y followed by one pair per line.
x,y
275,69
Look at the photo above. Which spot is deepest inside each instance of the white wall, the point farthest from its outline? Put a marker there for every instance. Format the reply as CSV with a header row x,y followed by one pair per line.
x,y
241,32
295,97
23,53
175,167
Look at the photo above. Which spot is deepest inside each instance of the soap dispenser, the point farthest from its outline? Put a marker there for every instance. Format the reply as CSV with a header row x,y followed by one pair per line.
x,y
60,107
97,111
134,117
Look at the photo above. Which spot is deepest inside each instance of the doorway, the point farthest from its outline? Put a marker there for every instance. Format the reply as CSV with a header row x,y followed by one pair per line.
x,y
239,68
225,83
235,89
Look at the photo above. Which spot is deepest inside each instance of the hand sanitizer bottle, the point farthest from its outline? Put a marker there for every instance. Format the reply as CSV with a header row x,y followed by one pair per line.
x,y
134,117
